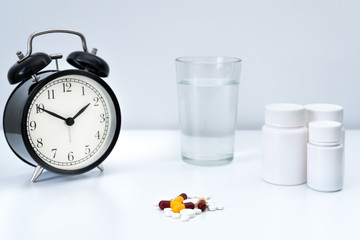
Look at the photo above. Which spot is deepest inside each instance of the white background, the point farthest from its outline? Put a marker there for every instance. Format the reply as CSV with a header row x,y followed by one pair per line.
x,y
293,51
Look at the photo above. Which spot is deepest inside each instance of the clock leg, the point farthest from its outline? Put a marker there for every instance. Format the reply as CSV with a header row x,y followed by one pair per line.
x,y
101,167
37,173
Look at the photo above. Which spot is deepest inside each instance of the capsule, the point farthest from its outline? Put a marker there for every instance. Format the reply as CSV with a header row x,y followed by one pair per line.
x,y
189,205
170,204
164,204
201,204
177,207
180,198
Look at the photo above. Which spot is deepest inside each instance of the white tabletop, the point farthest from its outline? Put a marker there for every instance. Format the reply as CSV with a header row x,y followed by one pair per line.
x,y
146,167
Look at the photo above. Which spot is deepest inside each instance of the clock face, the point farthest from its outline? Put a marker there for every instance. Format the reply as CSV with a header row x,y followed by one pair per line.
x,y
71,122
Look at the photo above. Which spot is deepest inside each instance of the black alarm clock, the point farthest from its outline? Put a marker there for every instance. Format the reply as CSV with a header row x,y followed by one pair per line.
x,y
64,121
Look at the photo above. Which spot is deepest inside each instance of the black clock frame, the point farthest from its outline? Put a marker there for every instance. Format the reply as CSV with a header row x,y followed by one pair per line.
x,y
15,114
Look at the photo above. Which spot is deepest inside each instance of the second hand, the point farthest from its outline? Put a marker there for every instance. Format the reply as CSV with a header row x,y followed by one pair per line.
x,y
69,134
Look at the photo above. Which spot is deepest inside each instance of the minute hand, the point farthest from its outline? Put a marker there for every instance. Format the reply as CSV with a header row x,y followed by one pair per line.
x,y
53,114
81,111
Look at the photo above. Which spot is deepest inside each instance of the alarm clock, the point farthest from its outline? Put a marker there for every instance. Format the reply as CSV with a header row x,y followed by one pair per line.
x,y
63,121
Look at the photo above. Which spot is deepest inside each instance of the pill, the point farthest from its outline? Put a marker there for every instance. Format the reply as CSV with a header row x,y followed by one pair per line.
x,y
212,207
190,212
169,204
178,207
180,198
189,205
195,200
185,218
167,209
219,207
201,204
184,196
197,211
175,202
168,213
164,204
176,215
184,207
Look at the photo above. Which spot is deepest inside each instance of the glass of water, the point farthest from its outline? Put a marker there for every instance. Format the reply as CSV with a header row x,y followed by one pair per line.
x,y
207,95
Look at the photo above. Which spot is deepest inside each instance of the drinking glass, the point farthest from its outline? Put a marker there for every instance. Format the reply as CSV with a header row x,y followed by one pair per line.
x,y
207,97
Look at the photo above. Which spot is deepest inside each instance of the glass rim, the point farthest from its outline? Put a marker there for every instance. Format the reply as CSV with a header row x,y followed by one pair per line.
x,y
207,59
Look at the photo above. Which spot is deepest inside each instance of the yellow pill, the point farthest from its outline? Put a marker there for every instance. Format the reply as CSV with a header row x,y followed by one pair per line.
x,y
178,207
173,203
179,199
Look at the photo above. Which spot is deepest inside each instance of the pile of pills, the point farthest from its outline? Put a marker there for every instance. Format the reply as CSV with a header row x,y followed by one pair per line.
x,y
184,208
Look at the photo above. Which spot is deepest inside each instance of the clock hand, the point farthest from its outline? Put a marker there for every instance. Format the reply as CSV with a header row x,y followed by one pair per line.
x,y
81,111
53,114
68,121
69,134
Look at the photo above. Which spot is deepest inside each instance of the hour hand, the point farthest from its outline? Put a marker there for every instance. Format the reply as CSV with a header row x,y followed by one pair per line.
x,y
53,114
81,111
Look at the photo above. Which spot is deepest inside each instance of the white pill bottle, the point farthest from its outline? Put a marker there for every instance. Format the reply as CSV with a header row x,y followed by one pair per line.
x,y
325,112
325,156
284,140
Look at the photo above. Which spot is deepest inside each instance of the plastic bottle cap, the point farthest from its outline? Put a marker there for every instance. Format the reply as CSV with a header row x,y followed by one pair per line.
x,y
326,133
324,112
284,115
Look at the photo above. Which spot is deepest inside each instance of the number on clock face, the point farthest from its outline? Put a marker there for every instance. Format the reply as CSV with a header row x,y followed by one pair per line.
x,y
68,122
